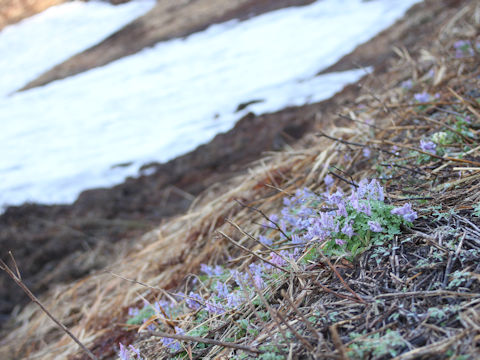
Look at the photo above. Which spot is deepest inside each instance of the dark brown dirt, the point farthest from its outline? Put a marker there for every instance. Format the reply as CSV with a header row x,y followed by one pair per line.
x,y
167,20
47,240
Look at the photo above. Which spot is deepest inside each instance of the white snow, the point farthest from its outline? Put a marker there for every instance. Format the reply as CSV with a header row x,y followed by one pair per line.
x,y
65,137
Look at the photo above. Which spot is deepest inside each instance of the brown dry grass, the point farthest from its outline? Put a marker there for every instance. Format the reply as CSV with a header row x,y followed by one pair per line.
x,y
12,11
95,307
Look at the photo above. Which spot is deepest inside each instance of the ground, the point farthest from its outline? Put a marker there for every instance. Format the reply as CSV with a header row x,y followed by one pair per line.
x,y
49,241
396,304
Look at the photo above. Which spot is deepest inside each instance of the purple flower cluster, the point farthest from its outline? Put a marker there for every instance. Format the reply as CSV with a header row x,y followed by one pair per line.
x,y
407,84
406,212
328,181
159,308
305,218
307,225
192,302
172,344
277,259
375,226
428,146
366,152
208,270
126,354
422,97
338,217
265,240
222,297
133,311
463,48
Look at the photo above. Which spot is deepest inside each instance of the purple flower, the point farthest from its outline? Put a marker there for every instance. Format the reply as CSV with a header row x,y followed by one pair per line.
x,y
222,289
296,239
277,260
354,201
463,48
324,226
304,211
365,208
191,301
461,43
133,311
366,152
256,269
339,242
377,189
335,198
290,255
342,211
273,218
214,308
265,241
136,351
172,344
369,191
328,181
422,97
217,271
428,146
206,269
375,226
123,353
407,84
151,326
406,212
164,304
240,278
233,300
347,229
362,189
258,281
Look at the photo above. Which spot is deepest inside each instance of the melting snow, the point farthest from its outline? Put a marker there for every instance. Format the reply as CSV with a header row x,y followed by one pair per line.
x,y
62,138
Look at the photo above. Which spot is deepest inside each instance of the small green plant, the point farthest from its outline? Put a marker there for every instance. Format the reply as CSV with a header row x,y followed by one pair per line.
x,y
376,346
271,352
476,210
441,313
458,278
444,215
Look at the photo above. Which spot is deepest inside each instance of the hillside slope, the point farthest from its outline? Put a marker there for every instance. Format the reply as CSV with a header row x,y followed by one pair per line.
x,y
49,241
414,128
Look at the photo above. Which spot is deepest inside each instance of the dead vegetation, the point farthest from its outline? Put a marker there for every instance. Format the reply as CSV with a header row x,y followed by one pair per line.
x,y
415,129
